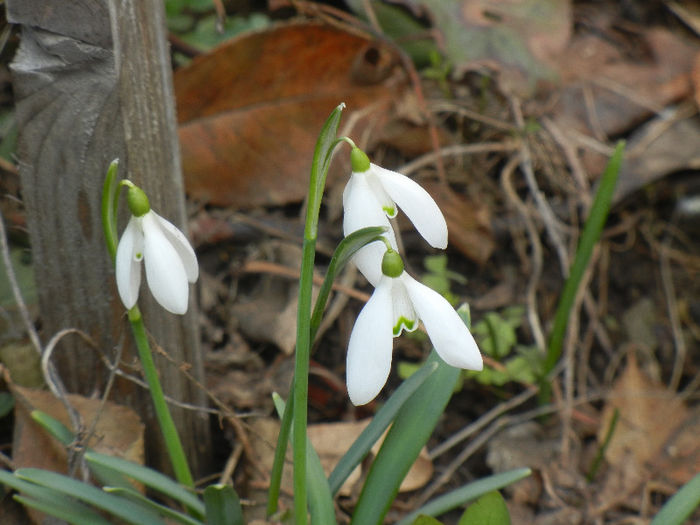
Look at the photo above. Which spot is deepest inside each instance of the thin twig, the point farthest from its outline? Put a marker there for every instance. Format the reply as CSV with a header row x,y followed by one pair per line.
x,y
457,150
536,272
16,292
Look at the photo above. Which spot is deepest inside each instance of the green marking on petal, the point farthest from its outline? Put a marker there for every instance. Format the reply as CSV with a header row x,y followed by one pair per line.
x,y
390,211
403,323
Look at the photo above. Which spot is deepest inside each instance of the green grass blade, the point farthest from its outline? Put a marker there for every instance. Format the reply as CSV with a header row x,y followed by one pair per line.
x,y
380,422
69,515
149,477
320,497
681,505
589,237
136,498
467,493
411,429
89,494
223,505
51,501
54,427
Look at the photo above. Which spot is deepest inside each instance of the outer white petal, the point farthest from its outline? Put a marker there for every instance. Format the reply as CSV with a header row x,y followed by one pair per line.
x,y
128,265
165,273
448,333
362,210
416,203
370,347
182,247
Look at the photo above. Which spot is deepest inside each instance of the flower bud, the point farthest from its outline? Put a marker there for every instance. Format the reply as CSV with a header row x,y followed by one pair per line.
x,y
359,160
392,264
137,201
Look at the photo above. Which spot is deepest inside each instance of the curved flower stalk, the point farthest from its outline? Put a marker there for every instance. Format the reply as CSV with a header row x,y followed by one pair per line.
x,y
372,196
169,258
398,303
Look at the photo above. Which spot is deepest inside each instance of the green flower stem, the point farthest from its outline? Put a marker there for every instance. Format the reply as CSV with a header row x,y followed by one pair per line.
x,y
165,420
319,169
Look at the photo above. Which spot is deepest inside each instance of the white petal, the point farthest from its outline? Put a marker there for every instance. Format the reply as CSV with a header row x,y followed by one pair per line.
x,y
363,210
128,265
165,273
404,316
182,247
369,350
448,333
416,203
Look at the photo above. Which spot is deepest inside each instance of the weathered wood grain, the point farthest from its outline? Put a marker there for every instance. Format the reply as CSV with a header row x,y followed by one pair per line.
x,y
92,83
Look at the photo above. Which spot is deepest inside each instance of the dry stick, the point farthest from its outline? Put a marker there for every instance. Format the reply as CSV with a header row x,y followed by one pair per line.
x,y
16,292
577,169
460,149
569,355
536,273
480,423
437,106
293,273
672,307
57,388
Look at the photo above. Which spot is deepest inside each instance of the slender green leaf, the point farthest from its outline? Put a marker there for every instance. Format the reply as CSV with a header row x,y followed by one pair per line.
x,y
223,505
67,514
54,427
320,498
681,505
426,520
109,209
411,429
342,254
89,494
590,235
149,477
59,431
462,495
58,504
136,498
380,422
489,509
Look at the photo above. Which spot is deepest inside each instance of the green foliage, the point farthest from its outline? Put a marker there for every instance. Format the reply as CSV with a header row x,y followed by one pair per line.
x,y
426,520
196,22
489,509
679,508
75,501
497,336
439,278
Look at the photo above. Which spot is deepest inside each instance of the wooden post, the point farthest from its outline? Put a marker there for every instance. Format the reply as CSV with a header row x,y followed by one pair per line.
x,y
92,83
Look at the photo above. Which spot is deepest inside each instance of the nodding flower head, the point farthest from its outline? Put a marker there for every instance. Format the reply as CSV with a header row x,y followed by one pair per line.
x,y
372,196
169,258
399,302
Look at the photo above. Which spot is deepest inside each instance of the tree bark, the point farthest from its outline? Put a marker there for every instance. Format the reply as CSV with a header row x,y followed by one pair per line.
x,y
92,83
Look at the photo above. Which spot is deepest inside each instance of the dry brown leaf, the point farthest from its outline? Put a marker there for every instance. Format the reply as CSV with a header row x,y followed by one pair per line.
x,y
331,441
119,430
468,223
251,110
648,415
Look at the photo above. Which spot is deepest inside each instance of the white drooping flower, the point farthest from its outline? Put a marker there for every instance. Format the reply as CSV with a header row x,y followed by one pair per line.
x,y
372,196
170,261
398,303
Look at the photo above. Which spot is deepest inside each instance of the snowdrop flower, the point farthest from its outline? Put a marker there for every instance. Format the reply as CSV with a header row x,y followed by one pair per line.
x,y
399,302
372,196
169,259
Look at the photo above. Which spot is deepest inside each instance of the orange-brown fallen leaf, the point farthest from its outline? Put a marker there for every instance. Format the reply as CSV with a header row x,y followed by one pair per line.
x,y
251,110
